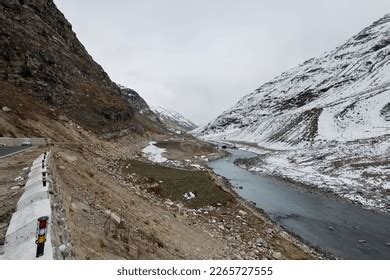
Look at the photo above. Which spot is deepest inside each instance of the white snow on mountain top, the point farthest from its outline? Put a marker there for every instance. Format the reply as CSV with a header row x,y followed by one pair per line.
x,y
173,118
343,95
324,123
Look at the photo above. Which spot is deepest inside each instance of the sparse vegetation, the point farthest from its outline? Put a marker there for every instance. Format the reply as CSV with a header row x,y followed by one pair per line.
x,y
174,183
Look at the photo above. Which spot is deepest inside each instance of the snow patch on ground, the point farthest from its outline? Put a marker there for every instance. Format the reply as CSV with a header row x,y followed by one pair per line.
x,y
154,153
189,195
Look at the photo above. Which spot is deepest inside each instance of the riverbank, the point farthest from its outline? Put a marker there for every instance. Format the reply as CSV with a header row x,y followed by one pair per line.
x,y
344,229
234,220
349,171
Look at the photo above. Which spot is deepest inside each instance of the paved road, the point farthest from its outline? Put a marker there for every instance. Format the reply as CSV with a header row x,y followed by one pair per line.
x,y
6,151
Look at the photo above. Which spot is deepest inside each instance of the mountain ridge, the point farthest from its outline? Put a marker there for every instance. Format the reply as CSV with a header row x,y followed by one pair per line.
x,y
43,61
173,119
307,91
324,124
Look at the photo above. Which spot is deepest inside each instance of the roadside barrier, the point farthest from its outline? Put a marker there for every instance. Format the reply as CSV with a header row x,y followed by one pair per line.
x,y
28,235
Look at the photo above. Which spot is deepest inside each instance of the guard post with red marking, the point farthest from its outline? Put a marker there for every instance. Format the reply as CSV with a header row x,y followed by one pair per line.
x,y
44,178
41,235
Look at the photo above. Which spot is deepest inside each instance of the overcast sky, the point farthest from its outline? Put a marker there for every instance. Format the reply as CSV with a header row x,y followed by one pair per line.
x,y
200,57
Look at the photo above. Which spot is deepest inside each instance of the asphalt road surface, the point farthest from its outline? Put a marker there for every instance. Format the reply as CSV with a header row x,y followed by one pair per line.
x,y
7,151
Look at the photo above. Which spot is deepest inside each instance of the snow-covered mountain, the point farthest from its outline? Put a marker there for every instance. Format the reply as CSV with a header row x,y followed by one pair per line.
x,y
330,115
173,119
343,95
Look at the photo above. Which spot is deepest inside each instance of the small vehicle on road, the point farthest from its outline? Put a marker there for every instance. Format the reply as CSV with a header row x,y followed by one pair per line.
x,y
26,143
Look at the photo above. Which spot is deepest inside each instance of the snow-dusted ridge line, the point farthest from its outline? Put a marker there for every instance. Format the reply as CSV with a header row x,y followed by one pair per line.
x,y
341,84
324,123
34,203
173,117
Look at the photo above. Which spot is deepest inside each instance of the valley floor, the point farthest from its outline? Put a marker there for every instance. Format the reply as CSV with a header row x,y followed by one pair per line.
x,y
119,205
125,207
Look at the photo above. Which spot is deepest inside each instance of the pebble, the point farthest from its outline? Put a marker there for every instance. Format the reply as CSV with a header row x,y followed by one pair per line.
x,y
362,241
277,255
169,202
242,213
331,228
19,178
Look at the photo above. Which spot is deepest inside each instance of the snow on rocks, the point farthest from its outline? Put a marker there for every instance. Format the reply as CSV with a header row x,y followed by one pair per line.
x,y
189,195
324,123
33,204
154,153
173,118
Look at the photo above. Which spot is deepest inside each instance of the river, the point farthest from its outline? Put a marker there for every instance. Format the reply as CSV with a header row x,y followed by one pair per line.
x,y
339,227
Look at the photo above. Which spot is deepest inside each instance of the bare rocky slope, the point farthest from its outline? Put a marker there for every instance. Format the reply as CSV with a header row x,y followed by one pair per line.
x,y
168,120
43,62
326,120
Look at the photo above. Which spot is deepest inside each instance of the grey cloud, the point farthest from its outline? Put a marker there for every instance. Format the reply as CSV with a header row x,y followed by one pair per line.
x,y
199,57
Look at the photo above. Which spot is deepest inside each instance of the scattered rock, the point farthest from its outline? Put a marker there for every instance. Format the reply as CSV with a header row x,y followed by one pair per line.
x,y
362,241
113,216
388,244
19,178
63,250
260,242
61,167
6,109
189,195
242,213
169,202
15,187
331,228
277,255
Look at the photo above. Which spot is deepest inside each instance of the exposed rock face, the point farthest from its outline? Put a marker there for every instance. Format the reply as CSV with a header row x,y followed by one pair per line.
x,y
41,55
340,96
134,99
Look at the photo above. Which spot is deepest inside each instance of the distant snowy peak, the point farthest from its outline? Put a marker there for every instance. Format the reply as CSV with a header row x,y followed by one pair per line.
x,y
173,119
343,95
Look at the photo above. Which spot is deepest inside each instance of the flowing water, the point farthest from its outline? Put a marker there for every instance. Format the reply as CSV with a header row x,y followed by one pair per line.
x,y
342,228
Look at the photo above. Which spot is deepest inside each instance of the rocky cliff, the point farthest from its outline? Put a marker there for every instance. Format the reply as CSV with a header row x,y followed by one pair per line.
x,y
44,63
